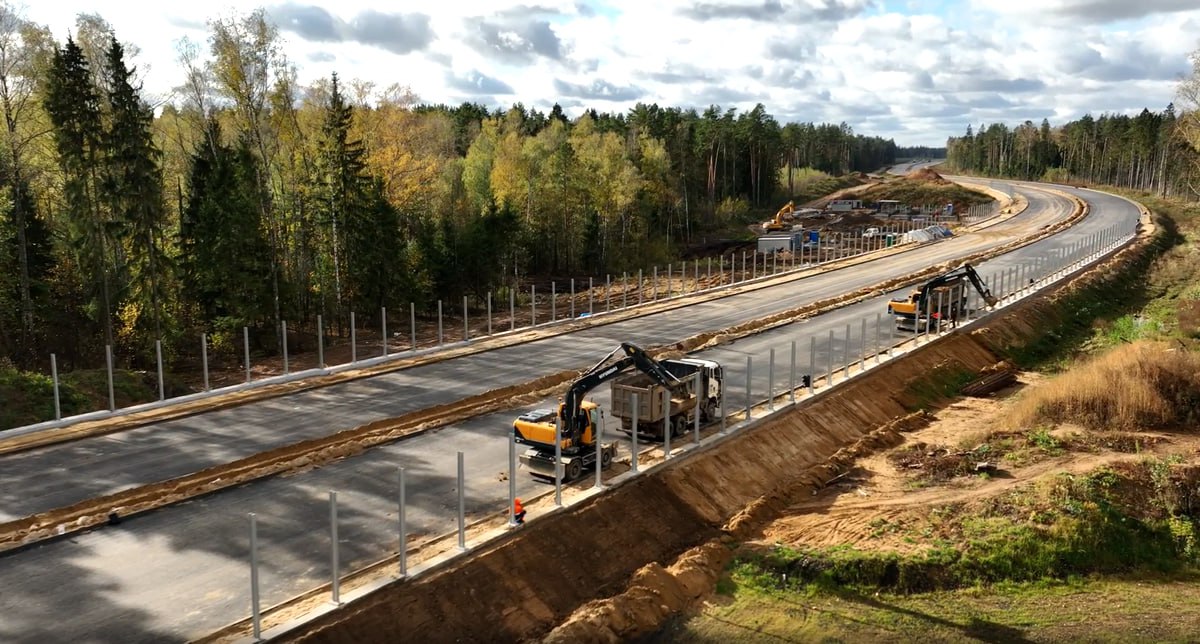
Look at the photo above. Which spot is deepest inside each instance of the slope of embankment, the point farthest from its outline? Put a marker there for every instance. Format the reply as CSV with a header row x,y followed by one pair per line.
x,y
615,566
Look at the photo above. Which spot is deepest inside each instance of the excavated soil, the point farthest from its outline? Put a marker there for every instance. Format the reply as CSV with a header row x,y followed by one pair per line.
x,y
928,176
614,567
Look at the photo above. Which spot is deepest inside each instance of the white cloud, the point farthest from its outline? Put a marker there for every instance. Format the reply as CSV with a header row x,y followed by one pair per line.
x,y
917,74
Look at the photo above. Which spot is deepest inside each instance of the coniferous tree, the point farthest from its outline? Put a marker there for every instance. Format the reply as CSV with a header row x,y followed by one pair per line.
x,y
224,254
73,105
134,187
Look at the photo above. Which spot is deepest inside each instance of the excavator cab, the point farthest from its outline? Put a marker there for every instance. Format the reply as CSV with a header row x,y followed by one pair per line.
x,y
537,427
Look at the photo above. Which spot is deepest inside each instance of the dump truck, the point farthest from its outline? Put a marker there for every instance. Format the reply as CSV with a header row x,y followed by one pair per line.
x,y
943,298
567,437
686,400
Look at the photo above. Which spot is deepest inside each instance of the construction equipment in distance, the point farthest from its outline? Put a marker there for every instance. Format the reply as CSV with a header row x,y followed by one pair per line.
x,y
778,222
941,298
578,421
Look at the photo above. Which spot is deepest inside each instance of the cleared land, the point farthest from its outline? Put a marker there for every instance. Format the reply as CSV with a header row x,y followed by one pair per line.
x,y
1064,508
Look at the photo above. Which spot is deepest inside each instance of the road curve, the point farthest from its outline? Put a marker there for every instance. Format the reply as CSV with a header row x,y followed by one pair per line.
x,y
180,572
49,477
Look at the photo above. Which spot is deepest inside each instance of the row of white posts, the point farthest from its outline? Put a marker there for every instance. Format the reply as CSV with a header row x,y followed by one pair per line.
x,y
753,266
1007,285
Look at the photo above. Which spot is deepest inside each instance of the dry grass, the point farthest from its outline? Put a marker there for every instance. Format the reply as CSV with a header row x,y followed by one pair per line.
x,y
1139,385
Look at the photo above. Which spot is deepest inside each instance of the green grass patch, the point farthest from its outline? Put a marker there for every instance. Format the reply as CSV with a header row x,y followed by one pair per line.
x,y
29,397
810,185
1155,298
1158,608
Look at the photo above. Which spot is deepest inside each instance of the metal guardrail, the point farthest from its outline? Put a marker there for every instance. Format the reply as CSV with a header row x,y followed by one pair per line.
x,y
871,349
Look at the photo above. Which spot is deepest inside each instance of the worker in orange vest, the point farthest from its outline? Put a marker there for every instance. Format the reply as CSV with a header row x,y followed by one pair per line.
x,y
518,512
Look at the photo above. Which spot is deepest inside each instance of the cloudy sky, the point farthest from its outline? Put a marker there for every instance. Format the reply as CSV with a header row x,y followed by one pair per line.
x,y
915,70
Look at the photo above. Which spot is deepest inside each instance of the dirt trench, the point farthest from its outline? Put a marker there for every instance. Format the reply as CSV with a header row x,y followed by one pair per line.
x,y
616,566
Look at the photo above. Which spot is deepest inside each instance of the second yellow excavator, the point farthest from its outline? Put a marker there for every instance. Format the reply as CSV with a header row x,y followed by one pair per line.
x,y
784,215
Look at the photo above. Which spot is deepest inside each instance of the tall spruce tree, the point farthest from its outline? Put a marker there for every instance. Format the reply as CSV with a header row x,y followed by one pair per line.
x,y
73,105
342,182
224,255
133,186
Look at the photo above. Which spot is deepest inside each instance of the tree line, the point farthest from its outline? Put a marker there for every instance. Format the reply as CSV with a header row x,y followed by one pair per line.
x,y
1152,151
248,199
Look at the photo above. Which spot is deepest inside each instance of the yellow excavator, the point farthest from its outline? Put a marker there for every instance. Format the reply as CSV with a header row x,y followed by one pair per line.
x,y
576,421
941,298
777,223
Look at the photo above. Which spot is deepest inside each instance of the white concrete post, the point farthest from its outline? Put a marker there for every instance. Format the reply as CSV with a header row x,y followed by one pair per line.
x,y
512,309
255,610
701,395
489,313
553,302
532,305
246,349
441,336
412,328
108,359
749,403
812,364
402,553
54,378
792,376
159,363
286,367
466,321
771,380
846,353
320,343
383,329
862,346
353,339
335,566
462,505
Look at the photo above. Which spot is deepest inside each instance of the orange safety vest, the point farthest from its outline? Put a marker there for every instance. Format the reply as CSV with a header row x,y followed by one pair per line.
x,y
517,507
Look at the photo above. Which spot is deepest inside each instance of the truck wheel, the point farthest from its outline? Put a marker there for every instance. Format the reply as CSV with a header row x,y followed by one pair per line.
x,y
606,458
679,427
573,470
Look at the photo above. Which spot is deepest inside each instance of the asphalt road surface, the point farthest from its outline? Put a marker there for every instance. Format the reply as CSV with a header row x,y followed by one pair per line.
x,y
60,475
181,572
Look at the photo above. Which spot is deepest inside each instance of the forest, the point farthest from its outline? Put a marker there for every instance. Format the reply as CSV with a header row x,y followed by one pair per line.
x,y
1154,152
247,199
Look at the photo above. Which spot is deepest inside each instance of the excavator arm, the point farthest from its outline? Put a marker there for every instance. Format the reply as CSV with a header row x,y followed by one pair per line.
x,y
572,415
977,282
915,303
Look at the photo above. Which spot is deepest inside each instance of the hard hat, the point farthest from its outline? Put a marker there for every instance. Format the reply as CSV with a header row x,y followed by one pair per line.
x,y
516,500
